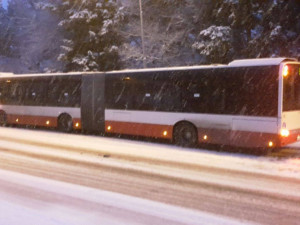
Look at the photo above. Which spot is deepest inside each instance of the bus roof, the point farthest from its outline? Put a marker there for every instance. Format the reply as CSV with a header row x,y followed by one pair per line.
x,y
5,74
235,63
12,75
260,62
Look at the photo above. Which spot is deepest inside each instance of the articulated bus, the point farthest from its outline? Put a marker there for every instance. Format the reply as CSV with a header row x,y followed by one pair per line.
x,y
247,103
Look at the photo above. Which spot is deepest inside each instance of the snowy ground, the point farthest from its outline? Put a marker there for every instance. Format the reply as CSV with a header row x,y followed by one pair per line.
x,y
74,169
285,166
63,203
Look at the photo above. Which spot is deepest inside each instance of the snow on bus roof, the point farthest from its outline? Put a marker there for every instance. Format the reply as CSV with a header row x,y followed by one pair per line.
x,y
159,69
235,63
13,75
5,74
260,62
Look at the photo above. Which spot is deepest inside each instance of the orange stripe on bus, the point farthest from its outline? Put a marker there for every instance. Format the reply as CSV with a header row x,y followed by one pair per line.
x,y
43,121
139,129
237,138
32,120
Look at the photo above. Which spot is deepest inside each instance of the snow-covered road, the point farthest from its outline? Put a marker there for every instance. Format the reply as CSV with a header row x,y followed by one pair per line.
x,y
31,200
247,188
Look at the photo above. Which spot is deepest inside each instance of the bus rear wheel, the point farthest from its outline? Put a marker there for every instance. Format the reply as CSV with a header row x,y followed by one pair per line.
x,y
185,135
65,123
3,118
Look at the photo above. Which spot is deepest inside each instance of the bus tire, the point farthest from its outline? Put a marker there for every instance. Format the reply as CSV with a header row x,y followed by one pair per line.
x,y
185,134
3,118
65,123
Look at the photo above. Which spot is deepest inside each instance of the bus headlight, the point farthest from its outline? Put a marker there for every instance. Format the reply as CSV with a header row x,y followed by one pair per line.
x,y
284,133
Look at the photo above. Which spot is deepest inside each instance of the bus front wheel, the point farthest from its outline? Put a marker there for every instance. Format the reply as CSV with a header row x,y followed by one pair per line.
x,y
65,123
185,135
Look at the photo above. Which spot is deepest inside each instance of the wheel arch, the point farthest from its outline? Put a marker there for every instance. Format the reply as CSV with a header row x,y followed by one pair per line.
x,y
182,122
64,114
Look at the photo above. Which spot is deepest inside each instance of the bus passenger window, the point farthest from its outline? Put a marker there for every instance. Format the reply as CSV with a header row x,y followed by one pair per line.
x,y
122,95
5,93
145,102
192,97
1,93
63,99
16,93
167,98
53,94
20,95
76,94
143,96
35,93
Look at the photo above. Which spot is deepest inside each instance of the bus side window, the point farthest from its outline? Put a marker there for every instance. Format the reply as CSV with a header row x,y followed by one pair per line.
x,y
16,93
217,101
159,99
20,92
35,94
53,92
1,93
193,96
121,94
234,98
63,91
6,93
69,94
76,94
168,97
143,96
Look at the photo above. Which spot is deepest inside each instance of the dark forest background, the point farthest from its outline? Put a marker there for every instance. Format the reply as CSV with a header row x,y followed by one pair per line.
x,y
80,35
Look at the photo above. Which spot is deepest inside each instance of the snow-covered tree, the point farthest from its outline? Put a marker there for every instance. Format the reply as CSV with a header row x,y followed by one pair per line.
x,y
277,29
5,32
91,34
258,29
215,43
168,33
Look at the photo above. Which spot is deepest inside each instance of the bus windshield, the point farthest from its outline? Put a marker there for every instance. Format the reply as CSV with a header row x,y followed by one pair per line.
x,y
291,87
